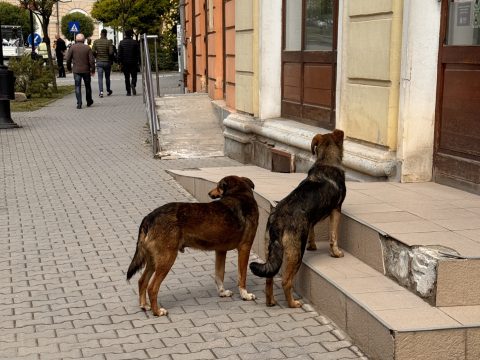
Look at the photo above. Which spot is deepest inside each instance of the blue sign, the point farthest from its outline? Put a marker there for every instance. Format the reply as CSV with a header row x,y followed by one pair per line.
x,y
74,26
37,39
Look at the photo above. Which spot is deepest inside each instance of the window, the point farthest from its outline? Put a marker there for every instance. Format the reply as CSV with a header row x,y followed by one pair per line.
x,y
463,22
318,25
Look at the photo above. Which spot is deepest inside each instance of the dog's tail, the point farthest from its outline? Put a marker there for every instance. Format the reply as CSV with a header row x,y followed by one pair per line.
x,y
274,258
138,260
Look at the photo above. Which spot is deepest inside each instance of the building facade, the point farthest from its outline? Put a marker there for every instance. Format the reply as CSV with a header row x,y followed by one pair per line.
x,y
400,77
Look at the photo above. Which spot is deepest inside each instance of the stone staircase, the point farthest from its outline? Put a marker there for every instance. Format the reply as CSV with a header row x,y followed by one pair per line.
x,y
409,284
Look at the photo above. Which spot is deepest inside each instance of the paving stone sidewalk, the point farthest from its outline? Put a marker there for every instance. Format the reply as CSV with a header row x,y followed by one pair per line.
x,y
75,185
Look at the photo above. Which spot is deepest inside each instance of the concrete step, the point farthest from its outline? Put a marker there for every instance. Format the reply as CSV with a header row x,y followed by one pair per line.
x,y
384,319
401,249
425,236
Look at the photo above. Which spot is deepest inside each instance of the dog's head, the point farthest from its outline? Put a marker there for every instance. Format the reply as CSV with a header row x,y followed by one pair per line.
x,y
230,185
328,146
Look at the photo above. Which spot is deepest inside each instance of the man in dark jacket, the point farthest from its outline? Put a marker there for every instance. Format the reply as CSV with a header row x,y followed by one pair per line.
x,y
129,59
60,53
83,68
102,50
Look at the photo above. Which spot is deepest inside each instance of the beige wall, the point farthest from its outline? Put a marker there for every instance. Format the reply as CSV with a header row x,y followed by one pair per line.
x,y
371,70
65,8
244,55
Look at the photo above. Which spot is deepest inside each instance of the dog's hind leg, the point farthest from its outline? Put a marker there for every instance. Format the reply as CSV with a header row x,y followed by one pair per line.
x,y
293,260
220,273
243,254
334,223
143,284
163,263
269,292
312,246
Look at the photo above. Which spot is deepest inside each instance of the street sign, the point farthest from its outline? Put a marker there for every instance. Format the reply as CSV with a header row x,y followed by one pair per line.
x,y
37,39
74,26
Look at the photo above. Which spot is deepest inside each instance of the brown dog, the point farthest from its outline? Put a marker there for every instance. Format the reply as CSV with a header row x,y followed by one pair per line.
x,y
227,224
290,225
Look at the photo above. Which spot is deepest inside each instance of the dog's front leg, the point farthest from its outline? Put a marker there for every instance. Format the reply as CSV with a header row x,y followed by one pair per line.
x,y
220,273
243,254
334,223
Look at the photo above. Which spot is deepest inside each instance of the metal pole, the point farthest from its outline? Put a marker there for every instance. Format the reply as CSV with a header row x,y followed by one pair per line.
x,y
32,34
156,69
181,47
58,18
7,92
142,66
1,47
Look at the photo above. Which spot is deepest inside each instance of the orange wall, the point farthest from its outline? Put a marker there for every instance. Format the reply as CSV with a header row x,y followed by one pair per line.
x,y
189,44
210,60
215,51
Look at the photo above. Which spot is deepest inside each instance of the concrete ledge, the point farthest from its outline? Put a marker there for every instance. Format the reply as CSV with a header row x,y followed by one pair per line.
x,y
296,138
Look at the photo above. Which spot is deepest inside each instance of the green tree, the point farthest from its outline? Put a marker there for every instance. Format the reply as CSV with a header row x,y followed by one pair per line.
x,y
144,16
85,22
13,15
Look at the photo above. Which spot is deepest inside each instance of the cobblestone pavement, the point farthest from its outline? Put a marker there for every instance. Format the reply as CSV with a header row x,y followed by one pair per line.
x,y
75,186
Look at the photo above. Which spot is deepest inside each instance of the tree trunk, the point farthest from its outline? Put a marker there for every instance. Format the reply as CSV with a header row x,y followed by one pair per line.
x,y
45,22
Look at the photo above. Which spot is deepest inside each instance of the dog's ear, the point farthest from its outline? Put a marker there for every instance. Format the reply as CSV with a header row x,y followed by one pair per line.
x,y
338,136
222,186
316,141
249,182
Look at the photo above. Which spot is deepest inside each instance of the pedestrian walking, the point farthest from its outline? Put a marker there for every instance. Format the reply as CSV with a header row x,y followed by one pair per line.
x,y
102,50
129,59
114,56
83,68
60,49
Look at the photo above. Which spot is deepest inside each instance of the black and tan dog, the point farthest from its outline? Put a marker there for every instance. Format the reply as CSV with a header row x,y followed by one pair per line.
x,y
290,225
227,224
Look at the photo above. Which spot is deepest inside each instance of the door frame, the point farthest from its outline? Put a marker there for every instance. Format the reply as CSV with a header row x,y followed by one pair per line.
x,y
450,55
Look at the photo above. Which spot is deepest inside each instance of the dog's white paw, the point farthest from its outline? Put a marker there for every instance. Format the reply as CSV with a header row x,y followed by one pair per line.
x,y
245,295
225,293
145,307
161,312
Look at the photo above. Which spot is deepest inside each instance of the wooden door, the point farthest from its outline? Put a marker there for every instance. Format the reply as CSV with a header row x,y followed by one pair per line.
x,y
457,125
309,61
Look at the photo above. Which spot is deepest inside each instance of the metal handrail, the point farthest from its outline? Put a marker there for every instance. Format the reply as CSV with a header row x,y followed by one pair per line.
x,y
149,95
